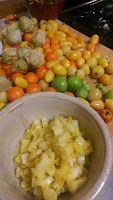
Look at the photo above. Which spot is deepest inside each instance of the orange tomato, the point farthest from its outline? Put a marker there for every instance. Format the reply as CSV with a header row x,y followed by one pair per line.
x,y
45,46
27,37
6,46
44,61
51,56
15,75
41,71
50,35
15,93
54,41
16,46
50,89
47,50
2,72
73,64
105,79
70,93
47,40
55,46
8,69
0,66
31,77
91,47
33,88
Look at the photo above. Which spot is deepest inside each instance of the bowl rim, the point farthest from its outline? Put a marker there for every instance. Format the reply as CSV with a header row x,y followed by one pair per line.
x,y
106,170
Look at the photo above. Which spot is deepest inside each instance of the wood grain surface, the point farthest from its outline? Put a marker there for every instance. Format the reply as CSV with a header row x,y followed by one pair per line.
x,y
11,7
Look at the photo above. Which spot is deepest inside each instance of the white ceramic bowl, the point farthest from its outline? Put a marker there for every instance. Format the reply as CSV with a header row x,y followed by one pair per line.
x,y
17,116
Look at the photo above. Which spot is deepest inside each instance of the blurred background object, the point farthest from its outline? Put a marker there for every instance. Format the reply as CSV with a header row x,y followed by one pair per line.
x,y
45,9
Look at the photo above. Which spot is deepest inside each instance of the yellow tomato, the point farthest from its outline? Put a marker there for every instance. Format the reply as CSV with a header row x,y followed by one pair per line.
x,y
52,22
72,39
65,43
59,52
39,49
96,55
86,55
97,105
49,76
74,55
85,101
65,62
25,44
61,33
109,104
63,28
50,63
78,45
59,70
20,82
71,34
103,62
66,49
2,104
109,69
60,38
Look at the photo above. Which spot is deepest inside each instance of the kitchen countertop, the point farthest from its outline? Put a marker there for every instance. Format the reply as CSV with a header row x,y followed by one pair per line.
x,y
107,193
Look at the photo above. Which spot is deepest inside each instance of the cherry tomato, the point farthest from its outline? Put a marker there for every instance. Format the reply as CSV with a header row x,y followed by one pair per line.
x,y
96,55
63,28
8,69
20,82
16,46
80,73
6,46
50,35
15,75
33,88
70,93
82,93
66,49
60,84
74,83
41,71
49,76
80,39
74,55
2,72
71,71
65,62
103,62
94,94
106,115
45,46
86,54
91,47
80,62
109,69
15,93
9,18
43,84
109,94
97,105
92,62
94,39
54,40
105,79
51,56
97,71
31,77
109,104
27,37
59,69
73,64
50,89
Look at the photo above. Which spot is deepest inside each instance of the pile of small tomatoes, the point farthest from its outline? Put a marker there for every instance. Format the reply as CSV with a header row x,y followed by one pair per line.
x,y
68,60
